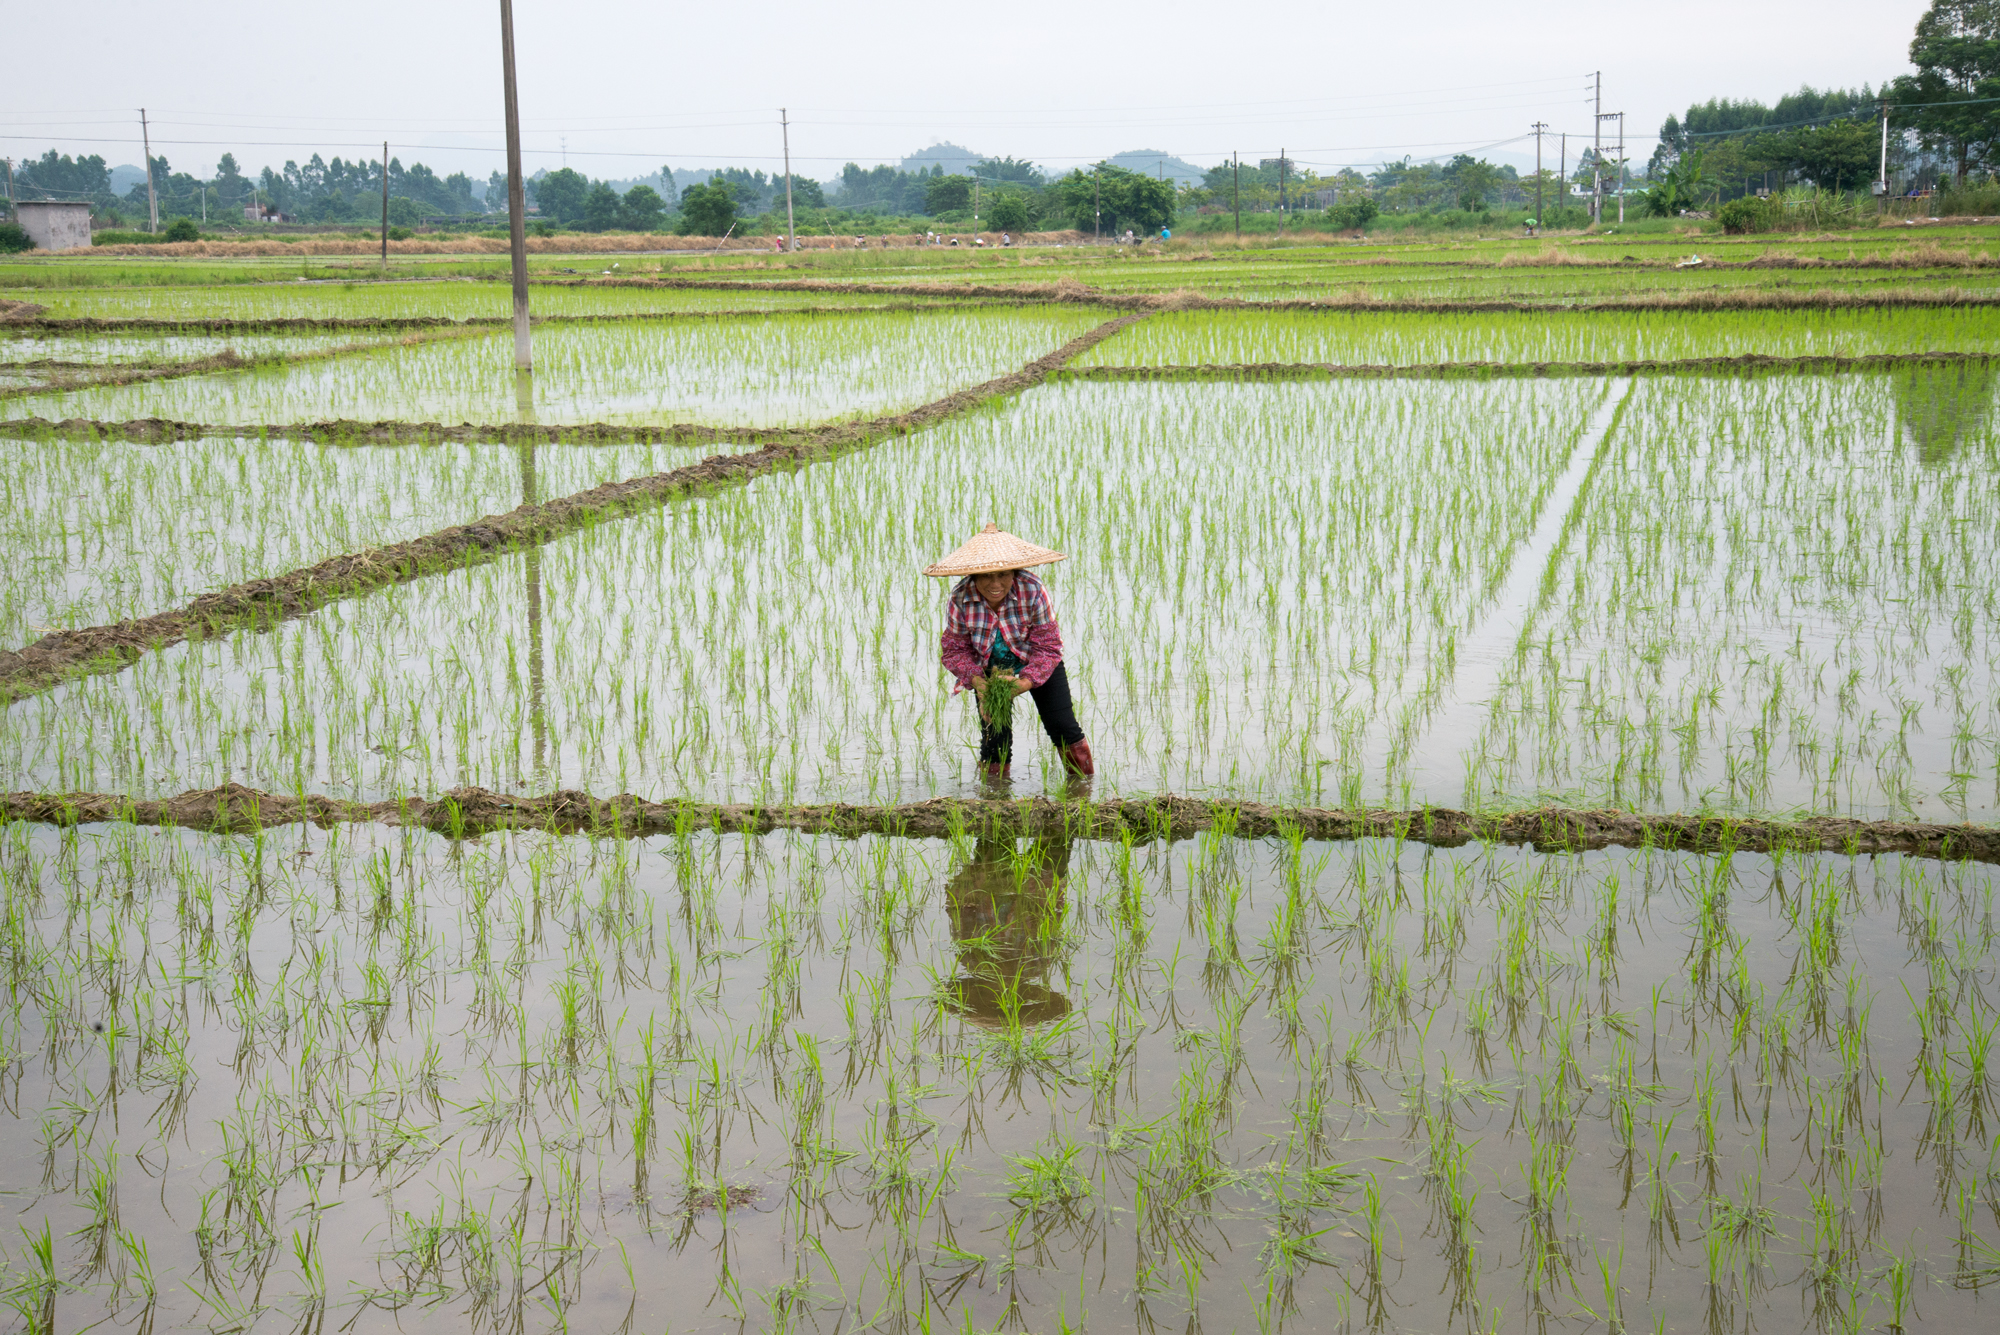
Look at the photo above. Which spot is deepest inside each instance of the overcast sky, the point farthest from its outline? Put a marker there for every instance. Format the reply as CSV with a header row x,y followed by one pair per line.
x,y
630,86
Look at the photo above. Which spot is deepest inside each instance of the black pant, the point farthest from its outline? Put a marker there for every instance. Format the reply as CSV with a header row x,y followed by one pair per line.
x,y
1058,720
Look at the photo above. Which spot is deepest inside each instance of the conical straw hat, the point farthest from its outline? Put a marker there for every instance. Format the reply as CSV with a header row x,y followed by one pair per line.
x,y
990,549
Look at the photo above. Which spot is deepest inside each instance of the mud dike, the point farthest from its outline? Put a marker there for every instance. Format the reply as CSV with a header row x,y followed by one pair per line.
x,y
472,812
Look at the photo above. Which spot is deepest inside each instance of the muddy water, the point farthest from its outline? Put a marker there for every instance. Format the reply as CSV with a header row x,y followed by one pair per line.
x,y
377,1080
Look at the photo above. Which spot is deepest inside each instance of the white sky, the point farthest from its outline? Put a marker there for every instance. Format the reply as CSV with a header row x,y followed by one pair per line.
x,y
633,86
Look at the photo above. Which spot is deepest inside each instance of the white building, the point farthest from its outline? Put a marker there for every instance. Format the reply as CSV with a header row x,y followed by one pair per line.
x,y
54,224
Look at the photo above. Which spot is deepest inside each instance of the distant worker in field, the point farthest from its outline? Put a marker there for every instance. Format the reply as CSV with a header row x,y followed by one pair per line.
x,y
1001,641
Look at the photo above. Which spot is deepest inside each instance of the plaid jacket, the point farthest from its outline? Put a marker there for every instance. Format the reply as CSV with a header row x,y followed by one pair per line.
x,y
1026,623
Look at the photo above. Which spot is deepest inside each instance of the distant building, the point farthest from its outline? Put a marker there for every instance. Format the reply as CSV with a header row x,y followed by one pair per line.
x,y
55,224
265,213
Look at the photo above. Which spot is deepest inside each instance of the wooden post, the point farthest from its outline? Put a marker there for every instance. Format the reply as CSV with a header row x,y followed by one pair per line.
x,y
1236,194
517,200
385,206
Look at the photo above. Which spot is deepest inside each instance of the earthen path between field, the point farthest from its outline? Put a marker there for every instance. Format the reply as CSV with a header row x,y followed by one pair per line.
x,y
472,812
65,654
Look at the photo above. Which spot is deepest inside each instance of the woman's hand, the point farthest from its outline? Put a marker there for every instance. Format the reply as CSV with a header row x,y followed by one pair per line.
x,y
1021,686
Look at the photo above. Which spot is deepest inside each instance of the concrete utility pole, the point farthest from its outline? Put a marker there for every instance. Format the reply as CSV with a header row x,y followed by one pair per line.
x,y
1882,173
791,232
517,199
1281,191
1236,167
152,200
1597,151
385,206
1539,127
1097,203
11,210
1598,175
1621,168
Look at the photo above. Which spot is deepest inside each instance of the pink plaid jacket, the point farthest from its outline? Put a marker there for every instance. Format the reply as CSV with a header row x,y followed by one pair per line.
x,y
1026,623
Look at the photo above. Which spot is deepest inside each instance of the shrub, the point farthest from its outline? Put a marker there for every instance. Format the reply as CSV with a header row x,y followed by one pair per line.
x,y
1009,212
400,234
14,237
1354,212
1748,214
182,229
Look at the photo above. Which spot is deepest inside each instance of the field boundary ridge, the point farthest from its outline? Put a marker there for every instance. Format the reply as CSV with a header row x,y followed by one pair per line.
x,y
470,812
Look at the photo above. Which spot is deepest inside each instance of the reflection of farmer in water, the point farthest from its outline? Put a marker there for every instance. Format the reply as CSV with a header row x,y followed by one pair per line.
x,y
1006,913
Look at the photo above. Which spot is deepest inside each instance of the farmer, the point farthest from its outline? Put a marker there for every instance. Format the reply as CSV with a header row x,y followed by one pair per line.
x,y
1000,629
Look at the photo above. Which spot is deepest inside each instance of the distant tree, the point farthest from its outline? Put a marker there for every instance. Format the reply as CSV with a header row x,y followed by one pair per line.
x,y
1127,198
600,208
1678,186
1009,211
641,209
1353,212
1957,54
1844,153
806,194
707,210
1017,170
561,194
58,176
403,212
1471,180
182,229
943,194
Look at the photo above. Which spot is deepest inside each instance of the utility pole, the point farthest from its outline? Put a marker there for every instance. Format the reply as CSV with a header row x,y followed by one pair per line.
x,y
1562,164
1621,169
1281,191
1597,151
385,206
1097,203
1539,127
1236,194
1881,172
791,231
152,200
517,201
1597,173
11,210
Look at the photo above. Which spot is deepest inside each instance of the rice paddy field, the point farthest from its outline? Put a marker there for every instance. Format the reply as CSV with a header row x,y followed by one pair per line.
x,y
845,1037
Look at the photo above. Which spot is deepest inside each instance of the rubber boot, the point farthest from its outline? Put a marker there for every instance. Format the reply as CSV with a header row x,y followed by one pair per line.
x,y
996,771
1077,759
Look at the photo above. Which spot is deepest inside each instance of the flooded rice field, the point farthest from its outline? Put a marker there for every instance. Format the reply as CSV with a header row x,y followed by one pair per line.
x,y
375,1079
372,1078
95,531
1666,593
336,299
772,370
1194,338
